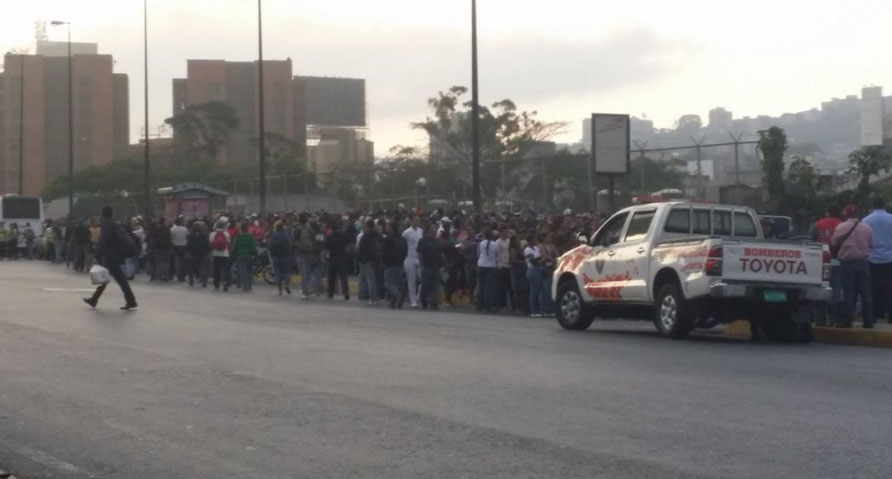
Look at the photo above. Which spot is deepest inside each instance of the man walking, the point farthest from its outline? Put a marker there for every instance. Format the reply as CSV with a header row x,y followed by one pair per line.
x,y
113,247
880,259
413,235
854,240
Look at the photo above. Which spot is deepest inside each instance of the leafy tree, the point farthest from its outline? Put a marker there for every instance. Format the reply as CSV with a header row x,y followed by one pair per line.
x,y
773,144
802,189
506,134
867,162
657,175
203,129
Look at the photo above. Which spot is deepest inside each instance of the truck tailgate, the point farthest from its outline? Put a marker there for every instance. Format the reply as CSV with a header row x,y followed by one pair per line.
x,y
772,262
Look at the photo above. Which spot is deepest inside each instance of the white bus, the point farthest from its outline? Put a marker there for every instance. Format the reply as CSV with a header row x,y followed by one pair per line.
x,y
22,210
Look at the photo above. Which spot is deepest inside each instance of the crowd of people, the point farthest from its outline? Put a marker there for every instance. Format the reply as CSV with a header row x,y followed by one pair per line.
x,y
497,262
862,263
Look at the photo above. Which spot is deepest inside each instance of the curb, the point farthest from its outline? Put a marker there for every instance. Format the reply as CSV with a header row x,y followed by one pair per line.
x,y
851,337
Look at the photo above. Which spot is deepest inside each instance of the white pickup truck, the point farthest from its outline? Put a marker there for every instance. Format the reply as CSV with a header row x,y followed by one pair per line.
x,y
691,266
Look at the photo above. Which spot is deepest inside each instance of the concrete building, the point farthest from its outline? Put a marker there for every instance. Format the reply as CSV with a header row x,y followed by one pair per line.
x,y
720,118
291,103
872,116
332,148
34,106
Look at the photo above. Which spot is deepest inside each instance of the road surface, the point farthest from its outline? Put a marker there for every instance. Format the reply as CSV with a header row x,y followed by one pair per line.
x,y
197,384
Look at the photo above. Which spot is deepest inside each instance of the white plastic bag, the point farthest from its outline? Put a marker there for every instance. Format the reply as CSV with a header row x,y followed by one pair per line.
x,y
99,275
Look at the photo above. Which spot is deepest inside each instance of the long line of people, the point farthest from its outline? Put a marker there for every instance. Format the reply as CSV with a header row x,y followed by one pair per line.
x,y
495,262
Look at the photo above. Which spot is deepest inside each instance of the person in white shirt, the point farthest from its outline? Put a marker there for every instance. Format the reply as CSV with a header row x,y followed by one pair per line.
x,y
220,243
535,277
487,272
178,236
413,235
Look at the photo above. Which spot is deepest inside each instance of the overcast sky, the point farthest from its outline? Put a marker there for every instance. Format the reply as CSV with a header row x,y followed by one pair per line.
x,y
563,58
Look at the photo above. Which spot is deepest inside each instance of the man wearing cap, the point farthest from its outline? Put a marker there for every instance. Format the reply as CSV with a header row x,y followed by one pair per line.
x,y
854,240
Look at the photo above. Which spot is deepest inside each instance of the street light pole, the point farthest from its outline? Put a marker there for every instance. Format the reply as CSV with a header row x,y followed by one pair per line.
x,y
260,109
475,112
22,128
70,122
145,31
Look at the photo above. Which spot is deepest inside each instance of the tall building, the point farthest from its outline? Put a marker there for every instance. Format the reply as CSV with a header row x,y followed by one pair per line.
x,y
34,106
872,115
720,119
291,103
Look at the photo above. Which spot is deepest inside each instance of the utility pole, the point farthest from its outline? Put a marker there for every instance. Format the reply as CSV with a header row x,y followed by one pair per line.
x,y
700,188
22,127
260,109
145,30
736,141
475,113
641,147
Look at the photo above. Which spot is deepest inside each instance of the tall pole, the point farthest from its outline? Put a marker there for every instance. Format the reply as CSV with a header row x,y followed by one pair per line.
x,y
641,148
260,109
475,112
22,128
147,192
736,167
70,130
697,145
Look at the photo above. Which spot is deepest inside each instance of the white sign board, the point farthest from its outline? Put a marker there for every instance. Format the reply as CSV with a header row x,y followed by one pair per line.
x,y
610,144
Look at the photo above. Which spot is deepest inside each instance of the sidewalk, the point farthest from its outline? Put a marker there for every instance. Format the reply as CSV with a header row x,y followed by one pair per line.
x,y
880,336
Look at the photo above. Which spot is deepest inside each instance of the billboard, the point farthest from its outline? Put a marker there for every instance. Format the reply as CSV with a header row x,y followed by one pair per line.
x,y
333,101
610,144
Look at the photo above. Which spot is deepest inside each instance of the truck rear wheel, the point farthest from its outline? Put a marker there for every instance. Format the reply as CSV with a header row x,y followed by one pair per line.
x,y
672,312
572,312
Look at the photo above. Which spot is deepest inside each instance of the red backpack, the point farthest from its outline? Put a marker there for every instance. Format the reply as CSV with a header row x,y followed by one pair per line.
x,y
220,243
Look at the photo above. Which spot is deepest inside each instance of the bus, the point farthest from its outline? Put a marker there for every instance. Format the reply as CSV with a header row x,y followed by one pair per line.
x,y
22,210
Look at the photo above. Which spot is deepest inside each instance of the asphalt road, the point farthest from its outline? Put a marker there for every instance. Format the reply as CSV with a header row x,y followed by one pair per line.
x,y
197,384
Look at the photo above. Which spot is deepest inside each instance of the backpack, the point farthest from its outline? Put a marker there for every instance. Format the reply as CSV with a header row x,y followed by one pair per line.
x,y
220,243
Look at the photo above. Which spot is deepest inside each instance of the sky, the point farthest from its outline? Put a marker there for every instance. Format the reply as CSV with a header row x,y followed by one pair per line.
x,y
564,59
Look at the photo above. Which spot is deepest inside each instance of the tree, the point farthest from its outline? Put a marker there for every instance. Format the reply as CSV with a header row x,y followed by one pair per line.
x,y
657,175
867,162
506,134
203,129
802,189
773,145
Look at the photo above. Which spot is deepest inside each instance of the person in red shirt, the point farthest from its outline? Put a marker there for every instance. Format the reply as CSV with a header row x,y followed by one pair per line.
x,y
823,233
825,226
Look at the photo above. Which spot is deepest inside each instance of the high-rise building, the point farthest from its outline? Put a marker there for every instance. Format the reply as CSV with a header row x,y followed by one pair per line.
x,y
721,119
291,103
872,116
34,107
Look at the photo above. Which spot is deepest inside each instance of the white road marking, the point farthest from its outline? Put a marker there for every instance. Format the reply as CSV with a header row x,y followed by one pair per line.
x,y
70,290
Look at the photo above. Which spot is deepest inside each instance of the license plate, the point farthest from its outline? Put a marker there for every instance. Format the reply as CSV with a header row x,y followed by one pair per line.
x,y
774,296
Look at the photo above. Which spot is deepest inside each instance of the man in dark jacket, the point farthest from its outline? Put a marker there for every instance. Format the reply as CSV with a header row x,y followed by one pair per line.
x,y
81,246
163,250
394,256
430,256
367,255
114,247
336,249
198,251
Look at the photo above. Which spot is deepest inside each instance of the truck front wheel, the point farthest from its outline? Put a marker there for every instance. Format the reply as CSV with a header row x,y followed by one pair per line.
x,y
672,312
572,312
